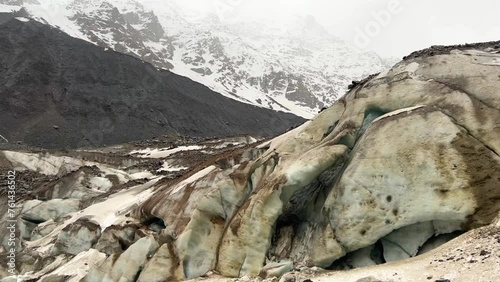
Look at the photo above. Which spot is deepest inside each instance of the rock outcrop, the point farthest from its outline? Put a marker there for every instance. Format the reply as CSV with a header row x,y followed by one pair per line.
x,y
405,158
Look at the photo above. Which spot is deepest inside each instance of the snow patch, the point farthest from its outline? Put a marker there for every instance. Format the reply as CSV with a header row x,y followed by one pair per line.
x,y
163,153
142,175
56,14
79,266
200,174
166,167
397,112
100,184
22,19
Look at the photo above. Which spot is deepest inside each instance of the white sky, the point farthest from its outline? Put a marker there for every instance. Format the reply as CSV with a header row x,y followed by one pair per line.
x,y
413,24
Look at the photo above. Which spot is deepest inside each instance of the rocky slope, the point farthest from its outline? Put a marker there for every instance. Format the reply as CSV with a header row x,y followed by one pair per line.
x,y
299,68
58,91
405,162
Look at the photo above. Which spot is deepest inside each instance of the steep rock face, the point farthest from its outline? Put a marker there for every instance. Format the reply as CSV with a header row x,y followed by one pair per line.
x,y
417,145
76,238
127,31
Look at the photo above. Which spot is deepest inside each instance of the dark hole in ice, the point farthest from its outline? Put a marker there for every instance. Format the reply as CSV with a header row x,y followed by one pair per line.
x,y
33,220
156,224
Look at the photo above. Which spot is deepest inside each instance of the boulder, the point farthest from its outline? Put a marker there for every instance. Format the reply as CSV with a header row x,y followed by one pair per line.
x,y
25,228
77,237
116,239
161,266
43,229
125,267
37,211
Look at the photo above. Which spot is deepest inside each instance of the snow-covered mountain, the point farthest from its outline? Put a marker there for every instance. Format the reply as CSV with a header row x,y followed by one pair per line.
x,y
298,68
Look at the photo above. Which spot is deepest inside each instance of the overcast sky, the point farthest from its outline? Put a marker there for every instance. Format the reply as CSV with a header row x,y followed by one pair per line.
x,y
388,27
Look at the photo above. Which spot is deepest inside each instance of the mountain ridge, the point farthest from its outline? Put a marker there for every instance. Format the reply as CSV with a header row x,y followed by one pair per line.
x,y
255,67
